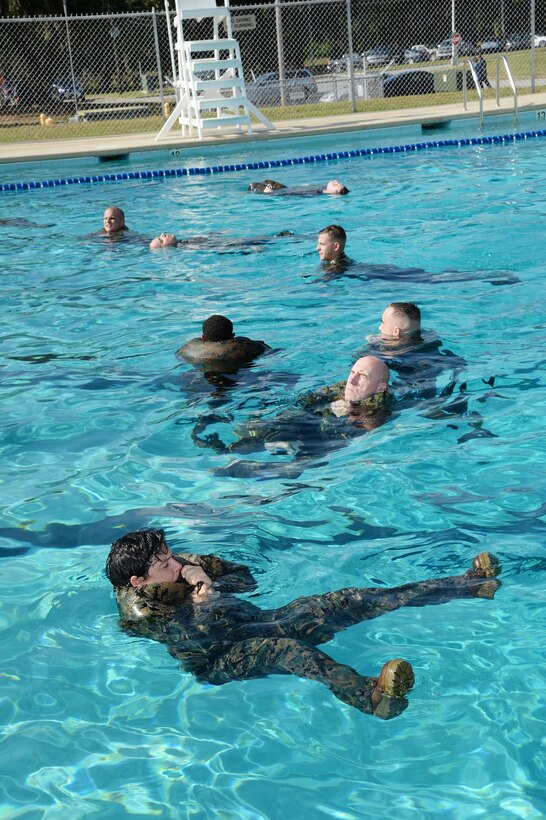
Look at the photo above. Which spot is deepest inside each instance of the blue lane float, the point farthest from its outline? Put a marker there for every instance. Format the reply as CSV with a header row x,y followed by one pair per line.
x,y
273,163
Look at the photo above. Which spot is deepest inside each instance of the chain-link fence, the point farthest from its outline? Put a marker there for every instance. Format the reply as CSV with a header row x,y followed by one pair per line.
x,y
63,77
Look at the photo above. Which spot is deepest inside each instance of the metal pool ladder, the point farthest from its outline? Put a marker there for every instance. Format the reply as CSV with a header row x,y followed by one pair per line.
x,y
480,91
512,84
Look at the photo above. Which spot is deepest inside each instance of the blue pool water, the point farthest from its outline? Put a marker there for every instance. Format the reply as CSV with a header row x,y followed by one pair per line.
x,y
98,415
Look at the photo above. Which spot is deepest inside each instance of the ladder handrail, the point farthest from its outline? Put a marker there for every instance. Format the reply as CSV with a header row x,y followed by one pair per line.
x,y
512,84
478,88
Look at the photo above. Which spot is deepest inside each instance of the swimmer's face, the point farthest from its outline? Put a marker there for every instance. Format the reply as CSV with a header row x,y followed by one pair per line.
x,y
334,187
390,324
164,240
367,376
327,248
164,568
113,220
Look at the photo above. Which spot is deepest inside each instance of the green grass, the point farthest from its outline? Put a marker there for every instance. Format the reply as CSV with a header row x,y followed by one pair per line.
x,y
62,129
519,62
290,112
69,130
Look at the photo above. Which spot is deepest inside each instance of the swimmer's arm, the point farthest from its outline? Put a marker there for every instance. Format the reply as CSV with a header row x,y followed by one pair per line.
x,y
257,345
226,576
329,393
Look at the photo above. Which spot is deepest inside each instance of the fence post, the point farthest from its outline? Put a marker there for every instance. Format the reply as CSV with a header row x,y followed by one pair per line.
x,y
158,64
351,67
280,51
532,46
70,59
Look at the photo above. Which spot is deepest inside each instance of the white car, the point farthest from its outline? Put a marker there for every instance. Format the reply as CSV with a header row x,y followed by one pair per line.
x,y
540,40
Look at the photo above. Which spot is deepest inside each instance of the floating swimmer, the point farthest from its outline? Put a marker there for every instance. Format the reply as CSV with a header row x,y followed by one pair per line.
x,y
187,602
270,186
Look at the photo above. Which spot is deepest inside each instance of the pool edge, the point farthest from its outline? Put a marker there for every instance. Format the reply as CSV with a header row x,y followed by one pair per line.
x,y
136,143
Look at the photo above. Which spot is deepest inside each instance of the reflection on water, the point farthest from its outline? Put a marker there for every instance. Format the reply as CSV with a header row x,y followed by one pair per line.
x,y
97,440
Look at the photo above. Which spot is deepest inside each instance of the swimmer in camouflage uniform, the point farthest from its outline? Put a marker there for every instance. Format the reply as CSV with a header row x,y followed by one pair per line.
x,y
219,347
363,400
186,601
331,250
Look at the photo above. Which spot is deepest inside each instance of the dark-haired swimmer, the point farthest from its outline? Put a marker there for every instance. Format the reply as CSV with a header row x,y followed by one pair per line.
x,y
187,602
218,346
270,184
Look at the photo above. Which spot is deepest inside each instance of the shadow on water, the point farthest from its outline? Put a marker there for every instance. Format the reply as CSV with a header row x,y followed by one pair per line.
x,y
232,520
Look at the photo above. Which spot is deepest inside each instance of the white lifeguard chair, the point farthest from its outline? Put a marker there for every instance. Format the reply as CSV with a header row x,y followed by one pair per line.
x,y
208,74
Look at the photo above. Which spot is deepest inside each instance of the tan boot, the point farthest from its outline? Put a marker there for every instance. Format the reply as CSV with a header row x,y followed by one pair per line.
x,y
486,565
395,680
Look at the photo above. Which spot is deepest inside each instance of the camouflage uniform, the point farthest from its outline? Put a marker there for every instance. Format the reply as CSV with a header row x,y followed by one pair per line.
x,y
222,638
311,424
370,413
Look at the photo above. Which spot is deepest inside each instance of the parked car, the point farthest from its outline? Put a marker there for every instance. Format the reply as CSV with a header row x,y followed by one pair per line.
x,y
444,50
491,45
464,49
383,55
9,93
403,83
540,40
416,54
300,87
515,42
66,90
342,65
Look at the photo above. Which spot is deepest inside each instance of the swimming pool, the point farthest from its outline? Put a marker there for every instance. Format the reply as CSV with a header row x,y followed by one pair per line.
x,y
98,415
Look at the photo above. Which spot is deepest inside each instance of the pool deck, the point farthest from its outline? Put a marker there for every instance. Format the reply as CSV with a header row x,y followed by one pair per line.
x,y
342,123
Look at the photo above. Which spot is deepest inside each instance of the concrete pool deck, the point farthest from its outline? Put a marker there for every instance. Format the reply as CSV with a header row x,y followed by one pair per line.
x,y
312,126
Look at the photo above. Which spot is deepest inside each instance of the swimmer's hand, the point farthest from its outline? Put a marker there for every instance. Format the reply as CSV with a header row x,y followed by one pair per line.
x,y
196,577
340,408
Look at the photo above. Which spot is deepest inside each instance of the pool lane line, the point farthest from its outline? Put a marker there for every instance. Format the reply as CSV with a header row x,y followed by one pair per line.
x,y
273,163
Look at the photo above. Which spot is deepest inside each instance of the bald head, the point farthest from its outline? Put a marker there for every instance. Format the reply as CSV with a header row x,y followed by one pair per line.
x,y
113,220
369,375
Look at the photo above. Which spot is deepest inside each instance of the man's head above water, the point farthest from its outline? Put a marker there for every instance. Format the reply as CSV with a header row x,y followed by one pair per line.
x,y
140,558
164,240
336,187
217,329
369,375
114,220
400,319
331,243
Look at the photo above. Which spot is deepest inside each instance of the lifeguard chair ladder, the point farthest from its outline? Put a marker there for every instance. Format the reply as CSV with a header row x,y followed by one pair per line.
x,y
206,102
